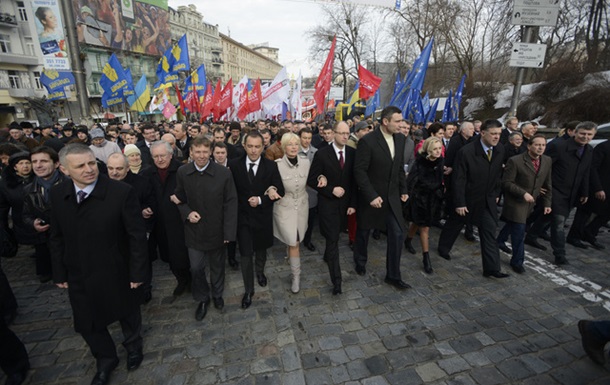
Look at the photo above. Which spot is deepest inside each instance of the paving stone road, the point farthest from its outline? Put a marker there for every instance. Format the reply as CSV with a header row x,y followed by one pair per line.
x,y
453,327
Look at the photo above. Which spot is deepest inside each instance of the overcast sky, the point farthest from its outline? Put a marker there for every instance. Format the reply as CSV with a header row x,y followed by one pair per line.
x,y
281,23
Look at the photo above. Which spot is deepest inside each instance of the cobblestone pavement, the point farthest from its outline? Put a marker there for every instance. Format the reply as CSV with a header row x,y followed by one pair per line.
x,y
453,327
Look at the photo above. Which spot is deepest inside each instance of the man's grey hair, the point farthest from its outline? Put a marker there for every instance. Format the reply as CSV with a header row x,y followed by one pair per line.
x,y
586,126
159,143
119,155
463,125
73,149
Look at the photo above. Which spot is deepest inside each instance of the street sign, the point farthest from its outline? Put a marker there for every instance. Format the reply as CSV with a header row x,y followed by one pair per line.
x,y
535,12
527,55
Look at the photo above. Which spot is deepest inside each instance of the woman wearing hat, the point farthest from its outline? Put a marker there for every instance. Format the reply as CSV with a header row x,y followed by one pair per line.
x,y
134,156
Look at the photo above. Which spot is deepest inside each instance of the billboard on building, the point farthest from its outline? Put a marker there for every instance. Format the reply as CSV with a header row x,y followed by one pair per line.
x,y
136,26
50,32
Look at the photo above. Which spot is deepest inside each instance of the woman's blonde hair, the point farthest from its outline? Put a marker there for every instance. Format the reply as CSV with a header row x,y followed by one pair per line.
x,y
428,144
287,138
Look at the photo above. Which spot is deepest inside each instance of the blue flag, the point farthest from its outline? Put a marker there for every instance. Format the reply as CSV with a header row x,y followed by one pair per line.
x,y
425,103
457,99
180,56
53,80
109,100
419,70
175,59
447,111
431,115
197,82
372,104
417,110
128,90
113,77
57,94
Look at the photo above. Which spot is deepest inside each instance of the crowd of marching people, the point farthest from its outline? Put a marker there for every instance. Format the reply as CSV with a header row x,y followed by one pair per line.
x,y
204,196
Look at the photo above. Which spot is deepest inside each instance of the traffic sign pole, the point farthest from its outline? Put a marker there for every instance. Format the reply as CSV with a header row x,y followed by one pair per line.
x,y
521,71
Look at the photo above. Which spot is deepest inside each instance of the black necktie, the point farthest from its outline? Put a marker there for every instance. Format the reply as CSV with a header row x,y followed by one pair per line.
x,y
341,160
251,172
81,195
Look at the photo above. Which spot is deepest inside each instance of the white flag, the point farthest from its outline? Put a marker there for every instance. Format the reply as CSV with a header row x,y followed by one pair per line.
x,y
295,101
278,91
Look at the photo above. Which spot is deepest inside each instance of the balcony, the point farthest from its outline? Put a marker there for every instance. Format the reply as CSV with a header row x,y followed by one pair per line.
x,y
22,92
8,20
216,50
12,58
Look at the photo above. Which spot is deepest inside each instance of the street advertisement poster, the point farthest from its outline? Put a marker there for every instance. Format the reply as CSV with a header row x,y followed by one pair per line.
x,y
136,26
51,34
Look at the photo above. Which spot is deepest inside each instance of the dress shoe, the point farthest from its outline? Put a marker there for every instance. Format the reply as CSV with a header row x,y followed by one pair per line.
x,y
180,288
360,270
427,264
469,236
262,280
593,346
502,246
134,359
337,289
16,378
202,310
545,237
518,269
397,283
596,245
233,263
561,261
446,256
376,235
534,243
219,303
246,301
495,274
310,246
103,376
577,243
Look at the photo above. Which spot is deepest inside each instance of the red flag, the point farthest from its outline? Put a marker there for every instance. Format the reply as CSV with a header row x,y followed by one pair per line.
x,y
179,95
206,106
225,98
244,108
191,101
215,107
369,83
255,97
325,77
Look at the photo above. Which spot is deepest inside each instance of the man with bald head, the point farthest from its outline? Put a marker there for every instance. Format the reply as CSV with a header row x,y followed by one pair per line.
x,y
178,155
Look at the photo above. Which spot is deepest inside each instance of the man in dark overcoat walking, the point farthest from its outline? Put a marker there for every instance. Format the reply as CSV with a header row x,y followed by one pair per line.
x,y
98,249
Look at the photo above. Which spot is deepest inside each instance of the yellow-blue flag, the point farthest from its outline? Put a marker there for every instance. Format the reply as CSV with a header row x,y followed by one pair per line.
x,y
113,77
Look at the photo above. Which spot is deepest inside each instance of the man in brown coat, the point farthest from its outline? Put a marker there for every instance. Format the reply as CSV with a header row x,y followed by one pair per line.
x,y
526,176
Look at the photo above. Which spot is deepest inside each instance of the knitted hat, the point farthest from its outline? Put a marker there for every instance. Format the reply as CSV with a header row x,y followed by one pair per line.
x,y
131,149
97,133
15,158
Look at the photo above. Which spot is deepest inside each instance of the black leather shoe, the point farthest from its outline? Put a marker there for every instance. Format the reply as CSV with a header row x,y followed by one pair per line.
x,y
534,243
246,301
219,303
233,263
360,270
561,261
446,256
103,376
310,246
469,236
16,378
502,246
337,289
262,280
202,310
593,346
577,243
596,245
134,359
545,236
397,283
495,274
518,269
180,288
376,235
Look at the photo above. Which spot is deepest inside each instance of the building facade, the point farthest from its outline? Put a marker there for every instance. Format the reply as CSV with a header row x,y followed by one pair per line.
x,y
241,60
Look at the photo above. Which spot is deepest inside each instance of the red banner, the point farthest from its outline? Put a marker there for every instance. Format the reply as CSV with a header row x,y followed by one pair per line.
x,y
325,78
216,100
206,106
226,98
369,83
255,97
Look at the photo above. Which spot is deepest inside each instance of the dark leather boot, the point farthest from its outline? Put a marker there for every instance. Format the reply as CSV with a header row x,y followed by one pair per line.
x,y
427,264
409,246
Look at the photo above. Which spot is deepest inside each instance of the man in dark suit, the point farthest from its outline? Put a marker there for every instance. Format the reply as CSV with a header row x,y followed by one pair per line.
x,y
476,184
183,141
525,176
149,132
571,169
337,198
379,173
95,220
512,125
209,209
259,184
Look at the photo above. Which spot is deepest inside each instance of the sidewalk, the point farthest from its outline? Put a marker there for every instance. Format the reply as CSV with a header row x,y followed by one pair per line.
x,y
453,327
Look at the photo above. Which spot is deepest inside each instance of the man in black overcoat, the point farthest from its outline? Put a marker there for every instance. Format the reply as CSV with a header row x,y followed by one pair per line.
x,y
259,185
379,174
570,178
208,206
476,186
98,249
337,198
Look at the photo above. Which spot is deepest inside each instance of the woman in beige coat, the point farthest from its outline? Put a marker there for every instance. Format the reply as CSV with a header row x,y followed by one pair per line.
x,y
291,212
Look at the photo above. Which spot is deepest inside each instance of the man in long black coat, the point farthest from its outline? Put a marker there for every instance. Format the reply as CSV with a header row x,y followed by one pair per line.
x,y
570,177
209,210
168,231
599,200
379,173
476,177
98,248
337,199
259,185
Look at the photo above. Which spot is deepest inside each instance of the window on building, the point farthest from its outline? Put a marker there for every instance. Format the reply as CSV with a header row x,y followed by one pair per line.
x,y
37,80
23,15
13,78
5,43
29,47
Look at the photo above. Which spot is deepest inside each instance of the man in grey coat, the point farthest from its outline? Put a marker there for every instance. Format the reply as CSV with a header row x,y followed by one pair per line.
x,y
309,151
208,206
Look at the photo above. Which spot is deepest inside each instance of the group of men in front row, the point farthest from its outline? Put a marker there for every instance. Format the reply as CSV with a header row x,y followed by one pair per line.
x,y
99,236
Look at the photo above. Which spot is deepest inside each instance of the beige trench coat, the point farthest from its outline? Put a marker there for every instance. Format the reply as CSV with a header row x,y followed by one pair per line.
x,y
291,212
